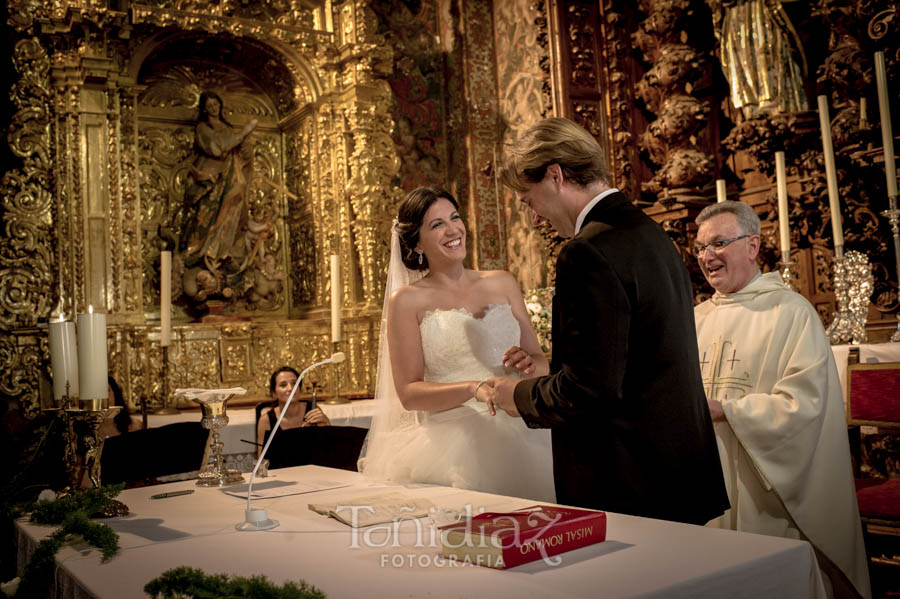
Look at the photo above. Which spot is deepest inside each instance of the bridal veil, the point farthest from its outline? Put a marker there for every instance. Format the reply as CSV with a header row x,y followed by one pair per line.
x,y
391,421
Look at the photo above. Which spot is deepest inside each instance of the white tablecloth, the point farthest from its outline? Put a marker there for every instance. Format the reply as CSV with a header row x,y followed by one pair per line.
x,y
641,557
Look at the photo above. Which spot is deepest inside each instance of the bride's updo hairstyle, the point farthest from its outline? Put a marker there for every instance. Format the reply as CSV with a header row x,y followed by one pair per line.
x,y
409,221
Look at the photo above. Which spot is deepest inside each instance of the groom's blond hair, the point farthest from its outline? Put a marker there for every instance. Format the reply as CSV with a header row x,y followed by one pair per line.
x,y
554,141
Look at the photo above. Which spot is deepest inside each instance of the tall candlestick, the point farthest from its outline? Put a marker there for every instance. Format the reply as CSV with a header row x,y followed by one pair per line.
x,y
721,195
887,136
335,298
92,366
63,358
165,298
863,117
783,222
830,173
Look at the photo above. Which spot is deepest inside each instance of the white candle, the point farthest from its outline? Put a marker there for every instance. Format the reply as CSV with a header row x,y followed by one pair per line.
x,y
830,173
887,136
335,298
863,117
783,222
63,358
92,367
165,298
721,196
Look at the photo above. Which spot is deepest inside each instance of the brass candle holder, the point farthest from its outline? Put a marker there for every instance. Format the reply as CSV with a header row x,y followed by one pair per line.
x,y
84,444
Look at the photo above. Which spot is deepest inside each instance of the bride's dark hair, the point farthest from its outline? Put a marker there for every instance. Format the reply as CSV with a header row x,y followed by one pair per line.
x,y
409,221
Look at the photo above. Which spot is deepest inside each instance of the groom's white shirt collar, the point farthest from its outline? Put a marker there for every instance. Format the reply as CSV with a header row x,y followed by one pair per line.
x,y
584,211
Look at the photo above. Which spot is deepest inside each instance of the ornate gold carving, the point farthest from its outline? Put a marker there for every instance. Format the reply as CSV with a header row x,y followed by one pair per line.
x,y
27,287
666,89
525,96
880,24
221,18
300,221
374,164
616,81
482,126
22,360
132,279
235,360
582,37
26,251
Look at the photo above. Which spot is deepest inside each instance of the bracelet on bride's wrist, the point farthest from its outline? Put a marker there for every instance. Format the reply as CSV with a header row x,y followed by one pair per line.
x,y
477,387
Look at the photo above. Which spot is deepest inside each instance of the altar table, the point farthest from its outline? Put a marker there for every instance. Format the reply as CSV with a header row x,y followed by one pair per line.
x,y
641,557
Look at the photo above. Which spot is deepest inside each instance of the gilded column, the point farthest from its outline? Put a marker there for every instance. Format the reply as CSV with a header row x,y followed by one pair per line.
x,y
667,90
371,156
28,291
482,132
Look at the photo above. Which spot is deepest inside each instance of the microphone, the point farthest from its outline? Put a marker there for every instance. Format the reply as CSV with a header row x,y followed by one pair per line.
x,y
258,518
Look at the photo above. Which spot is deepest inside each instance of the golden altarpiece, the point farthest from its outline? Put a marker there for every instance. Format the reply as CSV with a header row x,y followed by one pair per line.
x,y
111,136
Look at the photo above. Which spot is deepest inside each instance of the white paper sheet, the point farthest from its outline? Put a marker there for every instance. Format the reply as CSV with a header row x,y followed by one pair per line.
x,y
281,488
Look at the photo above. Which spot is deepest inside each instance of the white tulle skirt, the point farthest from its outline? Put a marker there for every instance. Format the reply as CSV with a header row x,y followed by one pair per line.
x,y
467,448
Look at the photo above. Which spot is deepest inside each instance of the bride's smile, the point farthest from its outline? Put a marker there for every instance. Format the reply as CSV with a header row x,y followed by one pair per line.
x,y
442,236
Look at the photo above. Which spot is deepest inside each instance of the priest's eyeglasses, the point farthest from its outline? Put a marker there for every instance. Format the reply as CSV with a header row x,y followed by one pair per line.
x,y
716,246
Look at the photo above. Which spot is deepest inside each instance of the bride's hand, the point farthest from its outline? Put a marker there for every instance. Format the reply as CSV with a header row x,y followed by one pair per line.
x,y
484,391
518,359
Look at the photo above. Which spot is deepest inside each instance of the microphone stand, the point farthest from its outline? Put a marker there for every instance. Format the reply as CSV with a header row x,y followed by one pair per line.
x,y
258,518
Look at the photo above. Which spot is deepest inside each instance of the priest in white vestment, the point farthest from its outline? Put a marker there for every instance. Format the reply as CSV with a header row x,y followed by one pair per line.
x,y
776,402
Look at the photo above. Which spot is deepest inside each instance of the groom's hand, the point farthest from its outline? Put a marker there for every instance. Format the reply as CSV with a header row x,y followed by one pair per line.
x,y
503,394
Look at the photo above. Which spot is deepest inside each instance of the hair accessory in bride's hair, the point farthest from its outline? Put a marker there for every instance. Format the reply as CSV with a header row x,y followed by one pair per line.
x,y
420,257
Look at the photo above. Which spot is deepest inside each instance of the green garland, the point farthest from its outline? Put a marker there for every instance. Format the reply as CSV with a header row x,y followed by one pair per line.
x,y
72,514
191,582
88,501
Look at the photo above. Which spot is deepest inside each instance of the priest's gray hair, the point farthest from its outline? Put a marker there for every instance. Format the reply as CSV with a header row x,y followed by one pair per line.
x,y
745,214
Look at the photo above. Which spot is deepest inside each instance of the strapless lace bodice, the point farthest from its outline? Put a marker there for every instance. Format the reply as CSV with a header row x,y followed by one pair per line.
x,y
458,346
466,447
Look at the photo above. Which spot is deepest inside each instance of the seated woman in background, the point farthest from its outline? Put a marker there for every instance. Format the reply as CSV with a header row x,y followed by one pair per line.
x,y
122,422
298,414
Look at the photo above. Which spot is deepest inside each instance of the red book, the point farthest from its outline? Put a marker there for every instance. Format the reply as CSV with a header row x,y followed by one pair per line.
x,y
509,539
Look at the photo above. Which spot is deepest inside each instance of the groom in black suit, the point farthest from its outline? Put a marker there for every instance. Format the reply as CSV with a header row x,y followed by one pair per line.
x,y
624,399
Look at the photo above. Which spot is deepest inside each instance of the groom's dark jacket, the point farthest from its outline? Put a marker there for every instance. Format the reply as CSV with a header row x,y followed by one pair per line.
x,y
624,398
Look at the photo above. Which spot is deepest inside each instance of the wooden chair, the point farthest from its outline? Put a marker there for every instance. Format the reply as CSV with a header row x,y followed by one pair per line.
x,y
331,446
139,457
873,399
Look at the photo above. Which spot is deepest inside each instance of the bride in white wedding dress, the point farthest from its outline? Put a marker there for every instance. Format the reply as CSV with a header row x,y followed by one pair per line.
x,y
443,335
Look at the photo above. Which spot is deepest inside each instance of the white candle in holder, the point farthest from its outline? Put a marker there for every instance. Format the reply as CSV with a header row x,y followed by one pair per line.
x,y
783,221
92,367
830,173
887,135
165,298
335,298
63,358
721,195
